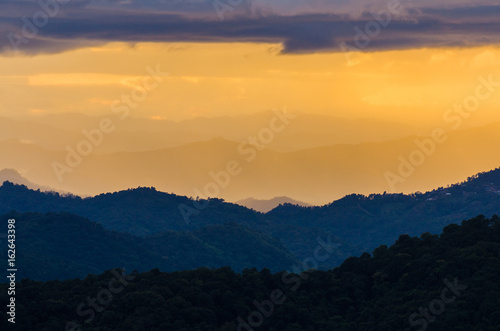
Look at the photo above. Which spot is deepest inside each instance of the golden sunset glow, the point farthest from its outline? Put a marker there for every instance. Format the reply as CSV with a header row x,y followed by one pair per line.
x,y
414,86
173,95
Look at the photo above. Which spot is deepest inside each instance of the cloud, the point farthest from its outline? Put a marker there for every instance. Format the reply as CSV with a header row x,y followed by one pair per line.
x,y
300,29
82,79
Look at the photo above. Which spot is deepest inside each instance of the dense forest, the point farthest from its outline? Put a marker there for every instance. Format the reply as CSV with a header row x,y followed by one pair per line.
x,y
435,282
63,246
218,233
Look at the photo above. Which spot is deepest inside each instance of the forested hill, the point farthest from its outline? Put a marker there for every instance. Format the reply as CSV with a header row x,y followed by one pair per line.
x,y
141,211
63,246
446,282
354,224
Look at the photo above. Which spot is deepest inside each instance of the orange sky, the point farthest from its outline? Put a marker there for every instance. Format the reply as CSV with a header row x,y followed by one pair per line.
x,y
413,86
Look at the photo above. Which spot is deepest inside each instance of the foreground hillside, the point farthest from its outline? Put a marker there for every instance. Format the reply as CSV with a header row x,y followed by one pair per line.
x,y
446,282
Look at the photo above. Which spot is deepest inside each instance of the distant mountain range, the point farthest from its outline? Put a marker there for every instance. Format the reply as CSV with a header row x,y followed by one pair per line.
x,y
315,175
140,134
267,205
350,226
13,176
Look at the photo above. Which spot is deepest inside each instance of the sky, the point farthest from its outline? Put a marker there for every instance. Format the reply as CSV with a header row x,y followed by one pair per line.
x,y
401,60
413,64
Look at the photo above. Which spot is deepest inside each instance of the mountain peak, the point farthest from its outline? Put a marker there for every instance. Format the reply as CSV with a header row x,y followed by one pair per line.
x,y
265,206
13,176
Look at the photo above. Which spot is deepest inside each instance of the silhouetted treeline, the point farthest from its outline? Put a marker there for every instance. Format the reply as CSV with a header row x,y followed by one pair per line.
x,y
445,282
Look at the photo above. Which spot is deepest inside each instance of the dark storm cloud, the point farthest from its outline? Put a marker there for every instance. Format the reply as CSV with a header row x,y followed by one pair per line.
x,y
78,24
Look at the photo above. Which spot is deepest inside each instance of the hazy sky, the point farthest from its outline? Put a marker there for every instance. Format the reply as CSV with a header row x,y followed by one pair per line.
x,y
432,63
415,62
